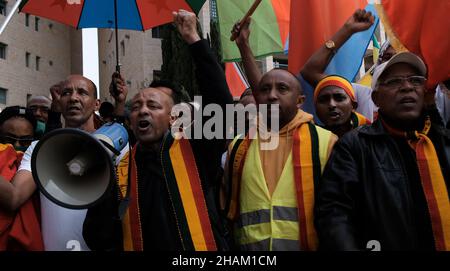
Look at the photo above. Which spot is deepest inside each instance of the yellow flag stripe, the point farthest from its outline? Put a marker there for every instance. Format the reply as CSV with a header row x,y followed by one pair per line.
x,y
187,196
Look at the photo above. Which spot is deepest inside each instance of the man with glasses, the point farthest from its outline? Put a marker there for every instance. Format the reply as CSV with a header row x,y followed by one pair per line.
x,y
387,183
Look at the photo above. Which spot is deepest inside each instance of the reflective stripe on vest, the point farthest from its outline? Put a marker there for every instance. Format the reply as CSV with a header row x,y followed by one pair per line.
x,y
277,245
271,222
263,216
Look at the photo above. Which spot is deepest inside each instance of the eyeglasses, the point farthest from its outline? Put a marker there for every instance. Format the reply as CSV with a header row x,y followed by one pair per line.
x,y
396,82
23,141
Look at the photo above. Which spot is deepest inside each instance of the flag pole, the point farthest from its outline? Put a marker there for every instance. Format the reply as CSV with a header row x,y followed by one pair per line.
x,y
248,14
116,28
117,37
8,18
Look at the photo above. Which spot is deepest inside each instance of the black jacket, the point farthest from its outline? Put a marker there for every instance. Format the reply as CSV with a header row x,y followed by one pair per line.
x,y
365,193
102,229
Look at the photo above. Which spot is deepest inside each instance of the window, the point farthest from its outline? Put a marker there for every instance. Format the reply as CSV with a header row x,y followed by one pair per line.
x,y
3,7
38,60
27,20
3,95
27,59
36,24
3,50
122,47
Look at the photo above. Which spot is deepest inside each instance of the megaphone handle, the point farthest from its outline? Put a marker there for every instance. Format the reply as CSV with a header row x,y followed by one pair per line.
x,y
109,147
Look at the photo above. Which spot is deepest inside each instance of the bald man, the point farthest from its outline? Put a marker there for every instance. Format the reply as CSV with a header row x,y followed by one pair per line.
x,y
40,105
77,101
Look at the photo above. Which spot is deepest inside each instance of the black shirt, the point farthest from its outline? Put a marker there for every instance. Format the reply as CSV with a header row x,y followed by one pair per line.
x,y
159,230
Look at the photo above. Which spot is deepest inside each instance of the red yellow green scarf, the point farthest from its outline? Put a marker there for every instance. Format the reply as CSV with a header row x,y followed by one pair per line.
x,y
186,194
433,182
358,120
306,163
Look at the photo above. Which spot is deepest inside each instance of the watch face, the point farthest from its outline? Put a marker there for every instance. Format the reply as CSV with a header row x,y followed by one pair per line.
x,y
329,44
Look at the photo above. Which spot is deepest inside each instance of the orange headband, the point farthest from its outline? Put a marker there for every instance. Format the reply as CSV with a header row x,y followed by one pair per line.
x,y
337,81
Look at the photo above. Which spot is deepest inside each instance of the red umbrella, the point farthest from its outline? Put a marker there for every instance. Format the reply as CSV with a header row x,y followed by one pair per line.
x,y
117,14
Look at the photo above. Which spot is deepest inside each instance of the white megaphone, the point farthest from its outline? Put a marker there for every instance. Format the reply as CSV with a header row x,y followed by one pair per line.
x,y
75,169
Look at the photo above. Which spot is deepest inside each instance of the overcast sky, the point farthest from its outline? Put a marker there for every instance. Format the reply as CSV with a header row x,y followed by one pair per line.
x,y
90,56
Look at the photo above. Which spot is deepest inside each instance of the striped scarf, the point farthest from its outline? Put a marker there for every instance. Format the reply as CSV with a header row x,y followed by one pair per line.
x,y
186,195
433,182
357,120
307,172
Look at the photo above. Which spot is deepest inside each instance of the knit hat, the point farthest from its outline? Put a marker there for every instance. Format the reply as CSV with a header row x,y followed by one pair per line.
x,y
338,81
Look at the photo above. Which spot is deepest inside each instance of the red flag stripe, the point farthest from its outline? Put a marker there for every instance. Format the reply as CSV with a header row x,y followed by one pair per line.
x,y
199,198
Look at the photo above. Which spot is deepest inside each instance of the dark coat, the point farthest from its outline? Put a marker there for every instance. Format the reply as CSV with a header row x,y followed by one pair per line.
x,y
365,193
102,228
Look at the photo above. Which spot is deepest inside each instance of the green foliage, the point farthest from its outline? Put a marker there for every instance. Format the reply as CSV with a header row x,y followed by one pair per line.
x,y
178,65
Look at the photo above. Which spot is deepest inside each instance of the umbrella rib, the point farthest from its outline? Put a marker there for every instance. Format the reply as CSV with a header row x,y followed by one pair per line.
x,y
140,15
22,5
81,13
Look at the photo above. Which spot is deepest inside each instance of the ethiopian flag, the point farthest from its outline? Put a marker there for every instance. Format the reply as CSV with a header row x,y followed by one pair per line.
x,y
269,27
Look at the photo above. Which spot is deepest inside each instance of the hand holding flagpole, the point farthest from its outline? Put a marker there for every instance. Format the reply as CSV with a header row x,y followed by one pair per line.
x,y
248,14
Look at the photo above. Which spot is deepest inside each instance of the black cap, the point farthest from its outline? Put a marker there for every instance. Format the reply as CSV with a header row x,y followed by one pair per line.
x,y
17,111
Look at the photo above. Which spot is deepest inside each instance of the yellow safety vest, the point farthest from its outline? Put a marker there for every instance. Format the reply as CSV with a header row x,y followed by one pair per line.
x,y
269,222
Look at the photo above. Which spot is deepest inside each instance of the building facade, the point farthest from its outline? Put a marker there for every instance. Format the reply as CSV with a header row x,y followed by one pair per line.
x,y
35,53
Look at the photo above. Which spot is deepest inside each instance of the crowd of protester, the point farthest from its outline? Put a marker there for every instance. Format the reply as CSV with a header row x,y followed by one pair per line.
x,y
377,168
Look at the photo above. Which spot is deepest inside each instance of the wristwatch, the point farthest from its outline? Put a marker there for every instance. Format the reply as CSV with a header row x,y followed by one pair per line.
x,y
330,45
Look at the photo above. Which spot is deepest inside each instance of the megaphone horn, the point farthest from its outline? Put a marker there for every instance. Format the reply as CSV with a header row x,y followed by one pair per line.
x,y
75,169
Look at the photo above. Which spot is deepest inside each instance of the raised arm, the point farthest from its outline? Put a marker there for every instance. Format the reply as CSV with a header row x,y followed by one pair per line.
x,y
252,71
54,115
210,75
313,71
